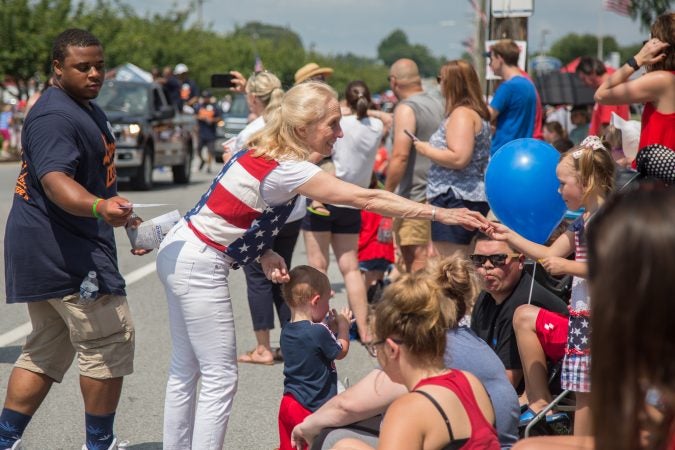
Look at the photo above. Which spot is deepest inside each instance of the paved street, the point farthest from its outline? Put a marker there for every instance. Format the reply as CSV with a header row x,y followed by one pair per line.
x,y
59,422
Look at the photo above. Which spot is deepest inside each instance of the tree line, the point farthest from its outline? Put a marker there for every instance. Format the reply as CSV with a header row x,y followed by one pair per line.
x,y
28,27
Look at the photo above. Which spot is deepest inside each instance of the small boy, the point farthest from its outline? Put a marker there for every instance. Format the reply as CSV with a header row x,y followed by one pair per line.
x,y
310,347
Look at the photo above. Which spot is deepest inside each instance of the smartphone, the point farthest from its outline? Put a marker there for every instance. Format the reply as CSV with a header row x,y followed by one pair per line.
x,y
411,136
222,80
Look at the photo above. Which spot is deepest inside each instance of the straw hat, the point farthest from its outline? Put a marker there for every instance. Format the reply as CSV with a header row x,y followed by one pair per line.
x,y
311,70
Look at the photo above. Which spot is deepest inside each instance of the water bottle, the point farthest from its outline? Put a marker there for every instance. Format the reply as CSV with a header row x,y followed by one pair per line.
x,y
89,288
385,230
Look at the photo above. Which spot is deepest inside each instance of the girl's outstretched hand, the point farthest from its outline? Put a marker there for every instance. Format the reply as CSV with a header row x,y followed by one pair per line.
x,y
554,265
498,231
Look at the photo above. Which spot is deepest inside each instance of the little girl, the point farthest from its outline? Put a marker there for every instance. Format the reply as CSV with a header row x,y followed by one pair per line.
x,y
586,175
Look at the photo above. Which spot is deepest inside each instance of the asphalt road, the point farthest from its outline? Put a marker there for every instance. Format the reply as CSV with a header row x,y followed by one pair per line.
x,y
59,423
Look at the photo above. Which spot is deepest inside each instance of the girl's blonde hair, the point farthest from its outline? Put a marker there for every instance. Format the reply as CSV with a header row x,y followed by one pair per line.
x,y
419,308
267,88
303,105
594,166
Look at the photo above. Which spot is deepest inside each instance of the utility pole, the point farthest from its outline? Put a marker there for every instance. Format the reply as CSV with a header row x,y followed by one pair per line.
x,y
508,20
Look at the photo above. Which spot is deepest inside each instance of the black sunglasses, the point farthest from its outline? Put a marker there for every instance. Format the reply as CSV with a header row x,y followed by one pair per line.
x,y
496,260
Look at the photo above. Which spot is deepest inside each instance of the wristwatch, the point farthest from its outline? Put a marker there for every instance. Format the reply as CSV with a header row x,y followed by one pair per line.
x,y
633,63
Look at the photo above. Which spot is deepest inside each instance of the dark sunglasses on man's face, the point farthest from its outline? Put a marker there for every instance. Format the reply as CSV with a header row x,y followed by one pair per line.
x,y
497,260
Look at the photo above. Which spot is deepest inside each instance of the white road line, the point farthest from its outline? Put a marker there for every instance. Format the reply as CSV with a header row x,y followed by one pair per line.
x,y
24,330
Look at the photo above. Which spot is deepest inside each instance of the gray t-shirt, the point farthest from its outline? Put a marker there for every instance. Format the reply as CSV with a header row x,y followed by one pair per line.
x,y
429,110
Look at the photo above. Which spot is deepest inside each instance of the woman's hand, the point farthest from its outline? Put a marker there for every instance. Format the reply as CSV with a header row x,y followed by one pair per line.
x,y
239,81
422,147
464,217
274,267
301,437
652,52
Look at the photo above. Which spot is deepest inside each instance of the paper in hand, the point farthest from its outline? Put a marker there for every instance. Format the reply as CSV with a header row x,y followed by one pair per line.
x,y
150,233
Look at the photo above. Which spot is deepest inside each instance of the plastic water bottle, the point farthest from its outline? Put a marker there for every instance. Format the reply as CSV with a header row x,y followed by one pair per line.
x,y
89,288
385,230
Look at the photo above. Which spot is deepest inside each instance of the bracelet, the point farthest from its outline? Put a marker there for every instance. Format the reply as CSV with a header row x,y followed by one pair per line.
x,y
433,213
94,206
633,63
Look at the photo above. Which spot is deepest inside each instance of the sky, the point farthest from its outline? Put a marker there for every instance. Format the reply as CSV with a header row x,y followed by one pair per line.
x,y
358,26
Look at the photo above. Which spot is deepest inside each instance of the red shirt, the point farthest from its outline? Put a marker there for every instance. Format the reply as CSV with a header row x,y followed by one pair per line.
x,y
369,246
657,128
602,114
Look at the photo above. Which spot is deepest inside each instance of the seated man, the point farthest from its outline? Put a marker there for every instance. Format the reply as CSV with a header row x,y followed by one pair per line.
x,y
506,286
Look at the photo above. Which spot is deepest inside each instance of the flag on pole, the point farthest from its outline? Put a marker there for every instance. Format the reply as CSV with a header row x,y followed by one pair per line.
x,y
478,11
258,66
621,7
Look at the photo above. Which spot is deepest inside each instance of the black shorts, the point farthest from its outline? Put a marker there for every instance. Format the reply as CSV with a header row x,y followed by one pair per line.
x,y
455,234
340,221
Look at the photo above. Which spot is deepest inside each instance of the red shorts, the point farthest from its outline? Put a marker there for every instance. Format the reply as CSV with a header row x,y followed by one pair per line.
x,y
552,333
291,413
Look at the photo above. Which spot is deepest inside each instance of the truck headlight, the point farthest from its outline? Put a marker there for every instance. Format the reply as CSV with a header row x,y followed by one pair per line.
x,y
126,135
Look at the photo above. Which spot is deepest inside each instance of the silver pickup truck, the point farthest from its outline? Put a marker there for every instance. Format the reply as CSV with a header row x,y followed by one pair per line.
x,y
149,132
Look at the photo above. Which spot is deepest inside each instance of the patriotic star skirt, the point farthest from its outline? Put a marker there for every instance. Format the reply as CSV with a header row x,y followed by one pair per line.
x,y
576,368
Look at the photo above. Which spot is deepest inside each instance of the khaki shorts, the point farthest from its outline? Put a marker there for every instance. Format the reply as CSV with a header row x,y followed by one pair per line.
x,y
101,333
411,232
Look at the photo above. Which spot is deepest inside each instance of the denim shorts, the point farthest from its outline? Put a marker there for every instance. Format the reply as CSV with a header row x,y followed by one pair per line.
x,y
380,264
455,234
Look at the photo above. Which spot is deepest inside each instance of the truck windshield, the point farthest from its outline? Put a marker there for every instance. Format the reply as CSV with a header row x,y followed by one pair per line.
x,y
128,98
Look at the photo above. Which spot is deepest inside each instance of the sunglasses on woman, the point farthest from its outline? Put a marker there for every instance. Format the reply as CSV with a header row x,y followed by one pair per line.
x,y
372,347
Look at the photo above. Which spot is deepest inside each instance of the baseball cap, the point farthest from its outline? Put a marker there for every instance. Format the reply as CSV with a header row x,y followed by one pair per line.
x,y
180,69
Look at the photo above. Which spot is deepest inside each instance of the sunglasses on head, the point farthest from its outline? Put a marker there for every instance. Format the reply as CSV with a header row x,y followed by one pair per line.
x,y
497,260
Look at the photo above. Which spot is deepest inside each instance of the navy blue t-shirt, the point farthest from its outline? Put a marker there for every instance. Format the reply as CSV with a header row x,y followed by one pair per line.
x,y
48,251
309,352
205,113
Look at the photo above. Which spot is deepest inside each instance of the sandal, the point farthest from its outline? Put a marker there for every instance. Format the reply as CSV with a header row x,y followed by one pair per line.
x,y
248,358
318,209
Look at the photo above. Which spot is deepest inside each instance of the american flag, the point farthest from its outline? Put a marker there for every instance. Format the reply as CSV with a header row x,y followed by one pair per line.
x,y
478,11
232,217
622,7
579,334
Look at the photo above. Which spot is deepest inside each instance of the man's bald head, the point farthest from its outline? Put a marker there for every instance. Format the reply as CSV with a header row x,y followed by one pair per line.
x,y
405,72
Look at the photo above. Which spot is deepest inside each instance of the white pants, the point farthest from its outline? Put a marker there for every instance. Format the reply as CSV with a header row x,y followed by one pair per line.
x,y
203,340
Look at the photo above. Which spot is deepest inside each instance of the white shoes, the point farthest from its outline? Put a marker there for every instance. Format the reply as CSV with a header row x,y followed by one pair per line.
x,y
17,445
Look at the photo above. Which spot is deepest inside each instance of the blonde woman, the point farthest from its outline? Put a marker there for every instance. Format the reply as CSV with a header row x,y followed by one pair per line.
x,y
234,223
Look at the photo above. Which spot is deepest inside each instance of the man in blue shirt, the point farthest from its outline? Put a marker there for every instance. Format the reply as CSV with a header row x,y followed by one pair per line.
x,y
514,103
60,228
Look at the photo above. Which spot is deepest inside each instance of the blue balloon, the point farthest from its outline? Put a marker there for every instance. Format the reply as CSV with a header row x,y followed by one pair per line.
x,y
522,188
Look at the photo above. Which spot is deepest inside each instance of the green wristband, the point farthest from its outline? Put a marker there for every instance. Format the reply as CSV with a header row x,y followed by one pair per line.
x,y
94,212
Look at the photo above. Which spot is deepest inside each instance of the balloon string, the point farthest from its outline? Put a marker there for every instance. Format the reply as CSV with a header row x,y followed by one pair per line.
x,y
534,272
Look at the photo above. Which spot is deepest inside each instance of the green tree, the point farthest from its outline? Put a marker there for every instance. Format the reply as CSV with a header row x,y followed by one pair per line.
x,y
396,46
26,31
574,45
648,10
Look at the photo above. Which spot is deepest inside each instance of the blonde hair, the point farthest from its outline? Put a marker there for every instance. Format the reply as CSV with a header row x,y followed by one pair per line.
x,y
457,280
303,105
267,88
594,167
305,282
419,308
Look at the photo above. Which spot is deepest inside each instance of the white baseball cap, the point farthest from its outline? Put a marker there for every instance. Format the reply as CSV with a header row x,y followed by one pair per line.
x,y
180,69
